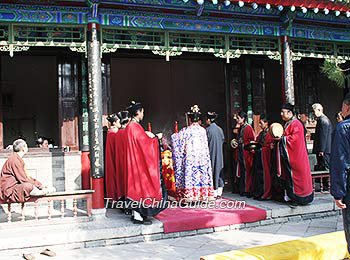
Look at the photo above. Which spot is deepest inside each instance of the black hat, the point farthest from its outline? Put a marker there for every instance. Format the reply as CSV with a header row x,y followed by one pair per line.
x,y
123,116
288,106
212,116
243,114
194,114
134,107
41,140
112,118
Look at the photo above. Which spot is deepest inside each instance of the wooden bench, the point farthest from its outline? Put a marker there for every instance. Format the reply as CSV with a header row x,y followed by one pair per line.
x,y
55,196
321,175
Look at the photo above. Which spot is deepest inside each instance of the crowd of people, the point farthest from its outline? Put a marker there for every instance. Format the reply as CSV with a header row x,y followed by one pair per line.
x,y
135,170
272,165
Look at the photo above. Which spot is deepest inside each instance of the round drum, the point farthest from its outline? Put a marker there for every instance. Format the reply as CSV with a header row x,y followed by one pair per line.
x,y
276,130
234,143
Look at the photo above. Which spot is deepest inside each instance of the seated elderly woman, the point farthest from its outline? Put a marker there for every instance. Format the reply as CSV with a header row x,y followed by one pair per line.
x,y
15,184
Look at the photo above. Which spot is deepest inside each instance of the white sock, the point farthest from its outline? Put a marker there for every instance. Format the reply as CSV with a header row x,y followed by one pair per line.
x,y
215,193
286,198
137,216
36,192
220,191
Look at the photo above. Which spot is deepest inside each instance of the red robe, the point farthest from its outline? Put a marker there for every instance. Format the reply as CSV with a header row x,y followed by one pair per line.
x,y
244,159
142,169
120,163
15,184
262,165
110,167
295,165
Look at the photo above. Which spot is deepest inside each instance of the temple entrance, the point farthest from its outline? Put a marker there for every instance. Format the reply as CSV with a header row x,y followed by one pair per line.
x,y
169,89
40,97
29,98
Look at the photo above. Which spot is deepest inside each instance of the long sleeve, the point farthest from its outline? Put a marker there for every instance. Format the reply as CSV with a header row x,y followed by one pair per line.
x,y
21,176
340,162
249,135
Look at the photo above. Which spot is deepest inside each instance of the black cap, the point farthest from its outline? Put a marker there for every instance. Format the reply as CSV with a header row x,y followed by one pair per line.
x,y
112,118
41,140
123,116
212,116
288,106
134,107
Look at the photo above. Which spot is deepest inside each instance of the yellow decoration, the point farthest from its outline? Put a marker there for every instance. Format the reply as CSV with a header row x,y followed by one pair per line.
x,y
331,246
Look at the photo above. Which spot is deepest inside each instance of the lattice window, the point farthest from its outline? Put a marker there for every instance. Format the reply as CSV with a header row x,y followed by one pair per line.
x,y
253,44
4,32
48,34
133,37
306,88
198,41
343,50
313,47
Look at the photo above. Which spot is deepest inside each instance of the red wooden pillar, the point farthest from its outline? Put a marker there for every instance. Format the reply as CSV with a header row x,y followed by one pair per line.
x,y
1,118
1,122
95,115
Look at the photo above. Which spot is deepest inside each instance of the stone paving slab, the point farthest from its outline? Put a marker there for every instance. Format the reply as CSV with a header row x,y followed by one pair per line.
x,y
191,248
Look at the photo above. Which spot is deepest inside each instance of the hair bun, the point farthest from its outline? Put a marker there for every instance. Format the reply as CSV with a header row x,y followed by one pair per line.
x,y
195,109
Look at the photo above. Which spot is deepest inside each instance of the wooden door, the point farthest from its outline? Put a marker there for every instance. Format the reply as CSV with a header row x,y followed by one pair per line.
x,y
68,86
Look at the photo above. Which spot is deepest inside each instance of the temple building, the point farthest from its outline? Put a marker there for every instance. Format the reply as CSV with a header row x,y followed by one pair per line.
x,y
66,64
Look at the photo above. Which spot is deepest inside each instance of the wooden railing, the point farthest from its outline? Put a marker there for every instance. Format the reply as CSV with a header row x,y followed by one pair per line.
x,y
321,175
56,196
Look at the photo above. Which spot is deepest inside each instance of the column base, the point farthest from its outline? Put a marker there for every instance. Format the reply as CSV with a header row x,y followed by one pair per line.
x,y
98,214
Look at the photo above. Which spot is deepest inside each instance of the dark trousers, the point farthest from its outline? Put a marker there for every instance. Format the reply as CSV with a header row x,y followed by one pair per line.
x,y
346,223
323,161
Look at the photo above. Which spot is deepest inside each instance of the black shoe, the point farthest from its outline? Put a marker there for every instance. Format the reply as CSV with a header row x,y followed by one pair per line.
x,y
147,222
127,212
292,204
135,221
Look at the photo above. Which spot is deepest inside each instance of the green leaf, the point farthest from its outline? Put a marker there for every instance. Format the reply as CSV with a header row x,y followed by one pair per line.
x,y
333,72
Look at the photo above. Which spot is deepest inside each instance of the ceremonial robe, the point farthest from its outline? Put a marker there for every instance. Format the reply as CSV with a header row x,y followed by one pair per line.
x,y
142,171
120,164
295,165
216,139
15,184
110,166
192,166
244,159
262,165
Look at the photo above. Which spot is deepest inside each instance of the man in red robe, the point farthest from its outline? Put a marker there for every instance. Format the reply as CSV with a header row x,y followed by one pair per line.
x,y
110,161
120,153
15,184
142,169
262,161
244,158
295,166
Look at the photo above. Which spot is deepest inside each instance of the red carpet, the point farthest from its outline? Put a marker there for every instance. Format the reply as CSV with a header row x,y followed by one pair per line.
x,y
182,219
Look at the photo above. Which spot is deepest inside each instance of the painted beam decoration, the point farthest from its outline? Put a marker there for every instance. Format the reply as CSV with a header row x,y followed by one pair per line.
x,y
111,18
43,14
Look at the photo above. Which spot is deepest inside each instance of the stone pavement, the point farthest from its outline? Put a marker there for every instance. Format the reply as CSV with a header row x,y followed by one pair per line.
x,y
192,247
116,228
